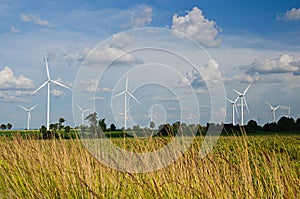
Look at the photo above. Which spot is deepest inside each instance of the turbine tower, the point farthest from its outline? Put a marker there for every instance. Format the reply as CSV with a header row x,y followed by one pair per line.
x,y
47,82
243,101
125,93
273,110
28,110
151,115
82,113
233,104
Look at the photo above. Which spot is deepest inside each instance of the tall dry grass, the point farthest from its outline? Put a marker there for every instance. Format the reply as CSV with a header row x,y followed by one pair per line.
x,y
238,167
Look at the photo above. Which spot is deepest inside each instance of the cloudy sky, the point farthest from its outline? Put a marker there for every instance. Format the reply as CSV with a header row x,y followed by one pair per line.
x,y
248,41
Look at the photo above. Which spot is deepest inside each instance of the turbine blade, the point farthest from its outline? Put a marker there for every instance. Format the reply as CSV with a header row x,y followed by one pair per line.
x,y
29,116
39,88
236,99
133,97
246,90
237,92
60,84
236,111
79,107
246,104
33,107
230,101
268,103
119,94
277,107
87,110
47,68
22,107
128,109
126,84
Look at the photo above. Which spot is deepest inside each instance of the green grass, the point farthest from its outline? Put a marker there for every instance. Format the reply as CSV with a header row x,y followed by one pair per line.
x,y
238,167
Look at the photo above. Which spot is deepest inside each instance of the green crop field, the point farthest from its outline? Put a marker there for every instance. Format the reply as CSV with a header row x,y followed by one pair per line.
x,y
265,166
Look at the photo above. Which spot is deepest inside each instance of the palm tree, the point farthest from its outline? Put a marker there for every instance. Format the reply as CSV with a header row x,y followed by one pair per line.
x,y
61,121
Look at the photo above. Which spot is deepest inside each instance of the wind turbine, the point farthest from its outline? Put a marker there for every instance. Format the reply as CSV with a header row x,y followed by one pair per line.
x,y
243,101
287,108
82,113
125,93
233,104
190,118
273,110
47,82
28,110
151,115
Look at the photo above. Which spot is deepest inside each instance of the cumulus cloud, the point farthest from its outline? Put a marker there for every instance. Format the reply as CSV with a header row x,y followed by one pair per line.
x,y
195,25
13,88
194,78
290,15
139,18
110,54
9,81
56,92
283,64
31,18
14,29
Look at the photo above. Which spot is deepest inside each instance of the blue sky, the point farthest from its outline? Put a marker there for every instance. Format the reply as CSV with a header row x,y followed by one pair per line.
x,y
252,41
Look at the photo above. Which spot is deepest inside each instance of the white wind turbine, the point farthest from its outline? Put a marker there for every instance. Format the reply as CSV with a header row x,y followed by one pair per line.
x,y
125,93
28,110
287,108
234,109
47,82
273,110
243,101
190,118
82,113
151,115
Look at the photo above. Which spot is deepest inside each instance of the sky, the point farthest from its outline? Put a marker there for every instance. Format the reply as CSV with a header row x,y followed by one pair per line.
x,y
245,41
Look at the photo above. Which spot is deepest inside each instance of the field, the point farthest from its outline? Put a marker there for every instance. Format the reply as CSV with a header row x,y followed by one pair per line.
x,y
238,167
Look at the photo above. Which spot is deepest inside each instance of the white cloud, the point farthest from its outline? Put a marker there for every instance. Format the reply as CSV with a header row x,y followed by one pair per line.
x,y
9,81
106,89
110,54
290,15
14,29
195,25
98,98
283,64
90,86
139,18
34,19
14,95
56,92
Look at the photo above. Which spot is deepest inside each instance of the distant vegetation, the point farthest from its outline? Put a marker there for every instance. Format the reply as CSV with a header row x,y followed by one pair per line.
x,y
98,127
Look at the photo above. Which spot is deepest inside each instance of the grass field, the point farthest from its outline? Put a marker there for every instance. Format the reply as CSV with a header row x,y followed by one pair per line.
x,y
238,167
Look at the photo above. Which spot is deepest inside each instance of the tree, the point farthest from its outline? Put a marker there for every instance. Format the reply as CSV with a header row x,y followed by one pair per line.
x,y
3,126
102,124
9,125
54,126
92,119
112,127
61,121
67,129
298,124
286,124
252,127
